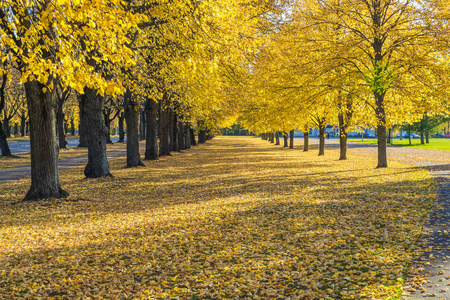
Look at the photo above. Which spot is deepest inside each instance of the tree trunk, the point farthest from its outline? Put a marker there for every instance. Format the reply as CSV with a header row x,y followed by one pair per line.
x,y
44,150
343,127
72,126
277,138
151,141
422,138
381,130
23,122
82,125
427,138
96,133
285,137
132,114
389,136
321,139
141,124
164,133
187,138
60,125
4,142
181,136
201,133
409,136
305,141
291,140
7,127
106,114
192,135
174,132
121,129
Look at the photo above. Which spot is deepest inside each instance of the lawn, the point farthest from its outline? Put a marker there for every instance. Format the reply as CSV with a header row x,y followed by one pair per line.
x,y
435,144
234,218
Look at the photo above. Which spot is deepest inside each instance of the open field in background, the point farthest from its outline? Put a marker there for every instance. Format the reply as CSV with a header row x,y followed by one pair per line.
x,y
237,217
23,159
435,144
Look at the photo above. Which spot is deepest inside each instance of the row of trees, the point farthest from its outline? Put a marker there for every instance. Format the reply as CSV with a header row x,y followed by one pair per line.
x,y
179,59
356,63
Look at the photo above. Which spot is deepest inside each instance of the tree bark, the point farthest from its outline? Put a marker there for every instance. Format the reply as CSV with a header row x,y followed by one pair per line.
x,y
96,133
277,138
181,136
121,129
142,124
201,133
151,141
321,138
44,150
23,125
3,141
427,138
192,135
305,141
174,132
285,137
107,121
343,134
291,140
82,125
60,124
164,133
422,138
132,114
187,138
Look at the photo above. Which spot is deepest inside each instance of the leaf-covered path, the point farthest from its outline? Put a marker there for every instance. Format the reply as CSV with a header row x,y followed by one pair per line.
x,y
430,274
235,218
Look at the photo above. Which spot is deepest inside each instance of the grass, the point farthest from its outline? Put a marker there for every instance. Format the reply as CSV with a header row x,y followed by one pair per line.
x,y
435,144
23,159
234,218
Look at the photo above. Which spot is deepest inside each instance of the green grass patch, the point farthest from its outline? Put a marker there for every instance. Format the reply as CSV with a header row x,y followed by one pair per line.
x,y
435,144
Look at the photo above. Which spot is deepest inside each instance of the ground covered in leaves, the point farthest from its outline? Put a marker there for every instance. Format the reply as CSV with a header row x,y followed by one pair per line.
x,y
235,218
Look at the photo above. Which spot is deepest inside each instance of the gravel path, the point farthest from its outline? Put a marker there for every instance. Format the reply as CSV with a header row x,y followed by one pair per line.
x,y
16,173
430,273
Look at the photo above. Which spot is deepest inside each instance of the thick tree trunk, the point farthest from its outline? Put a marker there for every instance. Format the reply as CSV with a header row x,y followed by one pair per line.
x,y
4,148
343,128
321,139
121,129
151,141
181,136
427,138
132,112
23,124
277,138
82,125
142,124
192,135
164,133
174,131
286,138
201,133
60,125
108,126
72,127
422,138
7,127
44,150
305,141
96,133
187,138
291,140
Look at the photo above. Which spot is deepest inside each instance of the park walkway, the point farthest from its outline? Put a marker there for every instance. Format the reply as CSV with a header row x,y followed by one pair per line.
x,y
16,173
431,270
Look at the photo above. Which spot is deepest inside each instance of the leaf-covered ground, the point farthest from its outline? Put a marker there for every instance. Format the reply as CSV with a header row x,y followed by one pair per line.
x,y
235,218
